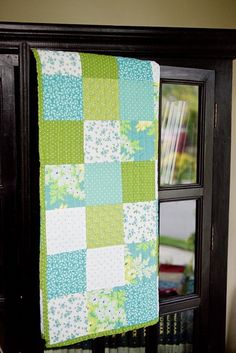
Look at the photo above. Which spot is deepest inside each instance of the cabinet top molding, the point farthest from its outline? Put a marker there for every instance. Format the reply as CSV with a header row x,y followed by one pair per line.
x,y
159,41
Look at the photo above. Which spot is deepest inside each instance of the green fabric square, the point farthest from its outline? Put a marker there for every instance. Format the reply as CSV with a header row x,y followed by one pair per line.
x,y
104,226
61,142
99,66
138,181
100,99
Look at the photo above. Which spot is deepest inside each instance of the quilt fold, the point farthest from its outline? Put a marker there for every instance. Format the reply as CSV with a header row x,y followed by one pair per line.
x,y
98,146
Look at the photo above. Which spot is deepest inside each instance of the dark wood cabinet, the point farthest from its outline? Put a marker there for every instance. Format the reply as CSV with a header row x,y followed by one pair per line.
x,y
199,57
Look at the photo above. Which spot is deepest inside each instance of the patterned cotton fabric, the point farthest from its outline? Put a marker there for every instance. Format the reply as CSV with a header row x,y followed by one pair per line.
x,y
98,128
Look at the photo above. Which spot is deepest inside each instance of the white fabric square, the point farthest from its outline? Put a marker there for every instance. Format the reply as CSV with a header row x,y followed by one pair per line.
x,y
140,221
155,71
60,63
101,141
105,267
66,230
67,317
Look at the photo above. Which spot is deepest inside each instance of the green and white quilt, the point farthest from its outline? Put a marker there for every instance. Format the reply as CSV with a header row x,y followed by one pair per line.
x,y
98,128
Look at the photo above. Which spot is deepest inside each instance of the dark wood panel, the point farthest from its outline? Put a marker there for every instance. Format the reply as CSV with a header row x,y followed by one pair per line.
x,y
163,42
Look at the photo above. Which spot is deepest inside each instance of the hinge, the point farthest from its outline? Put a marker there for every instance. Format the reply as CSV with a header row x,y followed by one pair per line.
x,y
212,237
215,115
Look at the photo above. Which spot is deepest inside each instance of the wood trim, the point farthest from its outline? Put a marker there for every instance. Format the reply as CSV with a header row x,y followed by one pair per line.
x,y
164,42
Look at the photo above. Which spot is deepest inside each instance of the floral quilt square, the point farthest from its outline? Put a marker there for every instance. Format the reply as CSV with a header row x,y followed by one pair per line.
x,y
67,317
106,310
101,141
140,221
140,261
60,63
138,140
64,186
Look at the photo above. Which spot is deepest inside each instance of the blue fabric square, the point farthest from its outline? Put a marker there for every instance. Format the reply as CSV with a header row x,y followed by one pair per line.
x,y
134,69
141,301
136,100
62,97
103,183
66,273
138,142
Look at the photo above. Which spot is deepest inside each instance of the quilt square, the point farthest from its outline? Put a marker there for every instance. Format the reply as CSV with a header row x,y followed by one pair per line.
x,y
66,230
54,149
62,97
141,302
104,225
105,267
138,181
101,99
140,262
140,221
134,69
155,72
106,310
101,141
103,183
60,63
136,100
138,140
99,66
64,186
66,273
67,317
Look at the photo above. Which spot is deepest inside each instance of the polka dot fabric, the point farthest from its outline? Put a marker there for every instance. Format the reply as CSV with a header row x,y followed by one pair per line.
x,y
98,119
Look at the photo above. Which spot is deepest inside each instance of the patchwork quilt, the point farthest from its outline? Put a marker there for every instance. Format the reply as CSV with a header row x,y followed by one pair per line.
x,y
98,128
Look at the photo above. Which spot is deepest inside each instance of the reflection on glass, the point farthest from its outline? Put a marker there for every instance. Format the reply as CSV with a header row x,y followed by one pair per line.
x,y
175,332
83,347
177,247
129,342
179,130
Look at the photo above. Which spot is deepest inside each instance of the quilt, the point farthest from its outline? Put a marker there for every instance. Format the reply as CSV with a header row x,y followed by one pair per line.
x,y
98,146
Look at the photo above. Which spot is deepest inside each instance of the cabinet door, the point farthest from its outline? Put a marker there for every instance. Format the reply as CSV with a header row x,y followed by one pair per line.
x,y
8,177
185,184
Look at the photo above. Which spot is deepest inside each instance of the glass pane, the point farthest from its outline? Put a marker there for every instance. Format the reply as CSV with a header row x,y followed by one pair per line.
x,y
129,342
179,134
177,247
175,332
83,347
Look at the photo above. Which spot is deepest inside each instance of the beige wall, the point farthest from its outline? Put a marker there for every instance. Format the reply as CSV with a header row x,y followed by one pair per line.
x,y
176,13
189,13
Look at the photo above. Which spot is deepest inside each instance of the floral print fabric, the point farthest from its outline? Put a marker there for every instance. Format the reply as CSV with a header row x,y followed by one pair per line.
x,y
98,127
